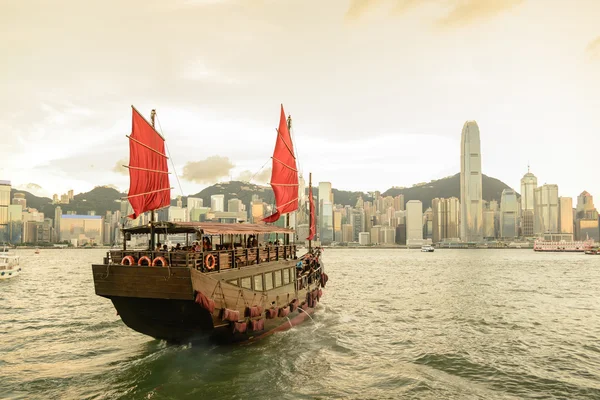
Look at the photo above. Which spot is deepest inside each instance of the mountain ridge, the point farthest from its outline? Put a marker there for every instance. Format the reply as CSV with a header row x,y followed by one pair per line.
x,y
105,198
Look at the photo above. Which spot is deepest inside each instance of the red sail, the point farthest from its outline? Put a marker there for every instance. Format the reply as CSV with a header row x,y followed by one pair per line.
x,y
148,172
312,227
284,178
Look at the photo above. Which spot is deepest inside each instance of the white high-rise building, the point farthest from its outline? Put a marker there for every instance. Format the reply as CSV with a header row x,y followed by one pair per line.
x,y
414,222
217,202
471,192
194,203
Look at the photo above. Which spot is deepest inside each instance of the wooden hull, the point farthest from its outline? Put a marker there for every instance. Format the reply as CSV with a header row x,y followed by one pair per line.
x,y
160,302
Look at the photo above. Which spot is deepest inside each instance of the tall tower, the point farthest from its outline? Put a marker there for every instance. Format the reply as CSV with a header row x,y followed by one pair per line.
x,y
471,202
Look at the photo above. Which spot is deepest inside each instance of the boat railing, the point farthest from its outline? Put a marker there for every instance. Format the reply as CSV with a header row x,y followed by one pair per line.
x,y
202,261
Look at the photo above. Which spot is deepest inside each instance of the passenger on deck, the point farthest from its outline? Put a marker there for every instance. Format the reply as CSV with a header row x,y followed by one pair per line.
x,y
178,246
165,248
158,247
250,241
206,244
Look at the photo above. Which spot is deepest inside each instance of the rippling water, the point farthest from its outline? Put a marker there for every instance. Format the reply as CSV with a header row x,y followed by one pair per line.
x,y
454,324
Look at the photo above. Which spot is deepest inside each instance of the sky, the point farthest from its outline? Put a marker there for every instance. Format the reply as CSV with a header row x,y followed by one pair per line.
x,y
378,90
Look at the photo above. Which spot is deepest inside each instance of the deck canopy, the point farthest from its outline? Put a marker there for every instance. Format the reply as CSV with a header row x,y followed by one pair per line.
x,y
208,228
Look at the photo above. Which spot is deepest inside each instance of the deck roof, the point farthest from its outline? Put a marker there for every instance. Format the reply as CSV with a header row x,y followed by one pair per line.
x,y
208,228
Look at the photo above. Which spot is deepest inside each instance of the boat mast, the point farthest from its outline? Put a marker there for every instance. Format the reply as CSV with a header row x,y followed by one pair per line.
x,y
152,239
286,240
309,208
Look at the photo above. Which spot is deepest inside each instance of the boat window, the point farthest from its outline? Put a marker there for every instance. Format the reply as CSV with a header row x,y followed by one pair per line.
x,y
247,282
233,282
278,278
258,283
268,280
286,276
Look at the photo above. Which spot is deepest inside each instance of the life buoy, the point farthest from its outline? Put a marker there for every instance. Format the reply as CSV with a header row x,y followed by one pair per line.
x,y
160,262
146,259
210,262
128,260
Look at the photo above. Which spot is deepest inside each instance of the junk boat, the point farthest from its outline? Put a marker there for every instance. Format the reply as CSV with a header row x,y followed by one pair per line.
x,y
9,264
228,286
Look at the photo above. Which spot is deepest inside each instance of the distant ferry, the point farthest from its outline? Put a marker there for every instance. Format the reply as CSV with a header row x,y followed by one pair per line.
x,y
427,249
563,246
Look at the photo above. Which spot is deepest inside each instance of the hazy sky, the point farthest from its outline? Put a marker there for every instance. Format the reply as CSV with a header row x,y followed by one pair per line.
x,y
378,89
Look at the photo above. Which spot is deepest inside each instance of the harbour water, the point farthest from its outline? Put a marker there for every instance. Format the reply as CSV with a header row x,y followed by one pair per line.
x,y
453,324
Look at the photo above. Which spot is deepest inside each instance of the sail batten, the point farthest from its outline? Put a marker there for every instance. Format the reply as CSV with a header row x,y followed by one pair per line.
x,y
149,187
284,175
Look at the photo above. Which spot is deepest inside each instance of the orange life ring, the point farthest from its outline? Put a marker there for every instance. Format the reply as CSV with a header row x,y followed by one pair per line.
x,y
210,262
163,262
128,260
145,258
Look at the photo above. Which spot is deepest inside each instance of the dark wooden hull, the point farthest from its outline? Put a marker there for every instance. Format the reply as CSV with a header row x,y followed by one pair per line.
x,y
160,302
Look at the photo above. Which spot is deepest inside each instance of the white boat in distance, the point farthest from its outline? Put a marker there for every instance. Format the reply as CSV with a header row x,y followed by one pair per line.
x,y
9,264
427,248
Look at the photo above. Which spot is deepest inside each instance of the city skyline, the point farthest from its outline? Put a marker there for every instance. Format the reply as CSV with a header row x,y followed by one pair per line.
x,y
387,118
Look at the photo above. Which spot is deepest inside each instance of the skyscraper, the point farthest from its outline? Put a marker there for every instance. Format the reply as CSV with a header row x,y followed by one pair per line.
x,y
217,202
414,222
471,206
5,187
509,214
545,209
445,219
528,185
565,211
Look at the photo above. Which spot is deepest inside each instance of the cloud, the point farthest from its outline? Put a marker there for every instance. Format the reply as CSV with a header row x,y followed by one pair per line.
x,y
358,7
468,11
457,11
119,167
208,170
593,49
262,176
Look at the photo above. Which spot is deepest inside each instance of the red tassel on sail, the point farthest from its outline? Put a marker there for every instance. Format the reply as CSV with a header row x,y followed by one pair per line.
x,y
312,226
148,171
284,178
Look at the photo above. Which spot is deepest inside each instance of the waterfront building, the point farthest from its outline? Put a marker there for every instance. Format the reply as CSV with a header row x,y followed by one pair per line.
x,y
358,224
388,235
414,222
376,234
235,205
528,185
446,217
565,212
399,202
258,211
82,229
57,215
19,198
364,238
527,223
217,202
586,218
347,233
5,187
509,214
194,202
545,209
471,184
